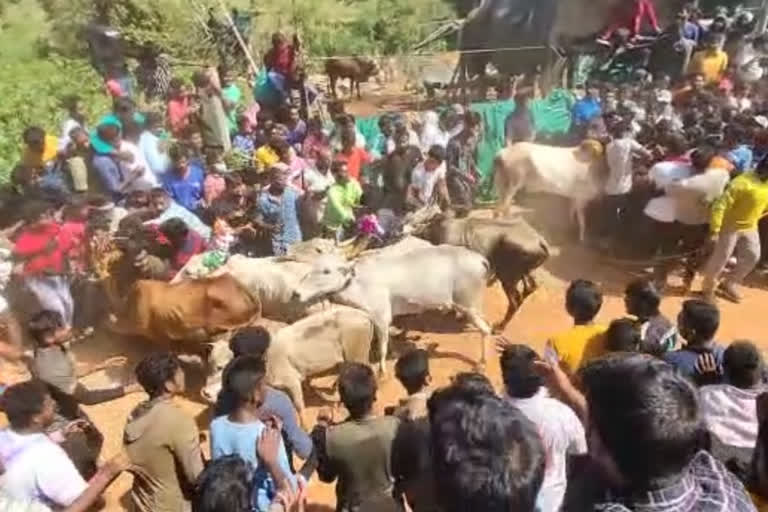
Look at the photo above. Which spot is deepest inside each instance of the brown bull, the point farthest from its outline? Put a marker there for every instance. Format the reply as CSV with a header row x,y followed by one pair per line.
x,y
513,249
188,311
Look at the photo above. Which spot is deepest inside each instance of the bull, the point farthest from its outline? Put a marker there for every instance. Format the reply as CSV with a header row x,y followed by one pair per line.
x,y
513,248
414,282
356,69
312,347
577,174
189,311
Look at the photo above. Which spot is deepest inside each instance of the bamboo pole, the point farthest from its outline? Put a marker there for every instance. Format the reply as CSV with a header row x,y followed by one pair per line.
x,y
243,46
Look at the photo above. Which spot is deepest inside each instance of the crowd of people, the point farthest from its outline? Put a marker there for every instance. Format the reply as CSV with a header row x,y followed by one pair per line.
x,y
641,414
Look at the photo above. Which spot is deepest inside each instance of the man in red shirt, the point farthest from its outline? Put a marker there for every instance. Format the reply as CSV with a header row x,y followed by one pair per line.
x,y
631,15
41,250
354,156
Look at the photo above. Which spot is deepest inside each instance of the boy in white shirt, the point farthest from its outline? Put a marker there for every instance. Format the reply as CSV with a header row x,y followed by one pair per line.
x,y
428,180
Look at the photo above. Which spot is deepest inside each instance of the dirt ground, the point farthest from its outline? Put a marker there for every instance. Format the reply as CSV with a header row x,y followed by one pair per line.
x,y
456,350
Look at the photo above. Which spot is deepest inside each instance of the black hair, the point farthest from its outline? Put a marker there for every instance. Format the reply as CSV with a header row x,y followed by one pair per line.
x,y
583,300
224,486
155,370
473,382
623,336
33,211
412,370
244,375
702,317
437,152
337,165
22,402
123,105
641,396
645,298
742,364
200,79
179,151
486,455
701,157
33,135
520,377
157,193
251,341
357,387
175,229
44,323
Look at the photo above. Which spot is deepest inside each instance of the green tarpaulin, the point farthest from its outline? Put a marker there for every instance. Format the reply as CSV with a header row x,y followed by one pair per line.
x,y
551,116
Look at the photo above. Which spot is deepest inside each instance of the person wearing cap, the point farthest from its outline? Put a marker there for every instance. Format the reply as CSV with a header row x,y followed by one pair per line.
x,y
711,62
278,207
107,176
733,227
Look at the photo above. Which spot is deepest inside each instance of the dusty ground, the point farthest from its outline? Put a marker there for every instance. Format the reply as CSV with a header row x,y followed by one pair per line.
x,y
541,316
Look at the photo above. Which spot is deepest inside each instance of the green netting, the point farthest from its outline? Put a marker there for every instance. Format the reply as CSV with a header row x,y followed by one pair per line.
x,y
551,116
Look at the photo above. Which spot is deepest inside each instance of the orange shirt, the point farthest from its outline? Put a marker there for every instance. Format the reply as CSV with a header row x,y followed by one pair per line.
x,y
356,158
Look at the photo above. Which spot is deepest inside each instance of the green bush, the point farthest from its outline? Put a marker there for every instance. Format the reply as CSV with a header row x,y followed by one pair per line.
x,y
32,92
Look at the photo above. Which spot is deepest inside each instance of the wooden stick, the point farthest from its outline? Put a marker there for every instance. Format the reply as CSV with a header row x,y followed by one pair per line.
x,y
243,46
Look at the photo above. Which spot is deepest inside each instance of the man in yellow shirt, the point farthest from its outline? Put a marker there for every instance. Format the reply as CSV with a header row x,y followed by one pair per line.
x,y
711,62
734,229
585,340
39,149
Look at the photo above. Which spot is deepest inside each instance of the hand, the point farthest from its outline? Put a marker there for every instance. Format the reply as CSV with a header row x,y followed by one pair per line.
x,y
75,426
325,416
706,365
557,380
272,421
268,447
116,465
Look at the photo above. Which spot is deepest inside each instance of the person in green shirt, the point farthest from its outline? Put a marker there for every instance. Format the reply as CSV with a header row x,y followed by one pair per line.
x,y
733,226
231,96
343,197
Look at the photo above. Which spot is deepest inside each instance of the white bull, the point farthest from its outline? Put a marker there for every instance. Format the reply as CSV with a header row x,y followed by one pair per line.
x,y
420,280
312,347
575,173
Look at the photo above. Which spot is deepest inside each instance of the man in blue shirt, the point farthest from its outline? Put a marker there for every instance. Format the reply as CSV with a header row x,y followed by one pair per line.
x,y
239,432
184,182
587,108
697,323
108,178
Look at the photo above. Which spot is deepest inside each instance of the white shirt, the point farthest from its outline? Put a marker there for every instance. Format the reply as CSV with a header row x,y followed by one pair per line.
x,y
562,434
731,413
618,154
695,195
38,470
147,180
315,181
664,208
424,181
66,128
